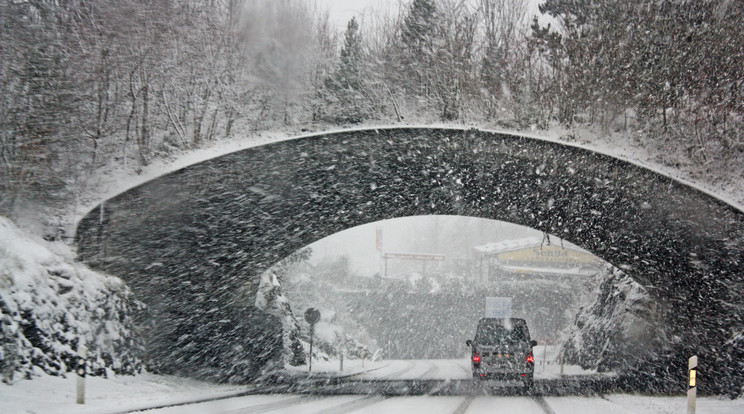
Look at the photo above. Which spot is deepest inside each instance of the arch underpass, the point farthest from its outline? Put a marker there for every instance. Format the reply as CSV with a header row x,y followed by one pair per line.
x,y
186,242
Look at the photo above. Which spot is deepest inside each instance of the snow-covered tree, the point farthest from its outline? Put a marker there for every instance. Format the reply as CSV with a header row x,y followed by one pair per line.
x,y
346,96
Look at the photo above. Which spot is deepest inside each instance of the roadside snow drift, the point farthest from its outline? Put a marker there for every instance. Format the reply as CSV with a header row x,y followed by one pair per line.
x,y
49,304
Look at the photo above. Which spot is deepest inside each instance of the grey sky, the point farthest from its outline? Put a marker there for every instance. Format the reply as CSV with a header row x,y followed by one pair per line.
x,y
452,236
341,11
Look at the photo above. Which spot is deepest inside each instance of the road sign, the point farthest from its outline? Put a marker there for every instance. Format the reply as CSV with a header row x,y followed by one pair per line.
x,y
312,316
498,307
415,256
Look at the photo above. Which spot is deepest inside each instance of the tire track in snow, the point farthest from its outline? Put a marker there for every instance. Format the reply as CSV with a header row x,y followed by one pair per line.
x,y
432,372
464,405
543,404
351,406
467,370
271,406
399,373
394,374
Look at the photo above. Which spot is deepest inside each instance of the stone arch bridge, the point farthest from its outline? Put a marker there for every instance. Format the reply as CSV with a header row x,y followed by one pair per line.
x,y
188,243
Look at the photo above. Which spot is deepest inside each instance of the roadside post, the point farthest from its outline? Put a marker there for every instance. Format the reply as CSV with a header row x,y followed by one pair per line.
x,y
692,384
312,316
80,370
364,348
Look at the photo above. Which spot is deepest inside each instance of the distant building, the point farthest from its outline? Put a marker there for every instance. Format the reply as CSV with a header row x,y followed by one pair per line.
x,y
532,258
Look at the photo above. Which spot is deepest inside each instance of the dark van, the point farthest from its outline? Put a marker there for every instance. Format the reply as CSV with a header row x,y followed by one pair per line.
x,y
502,349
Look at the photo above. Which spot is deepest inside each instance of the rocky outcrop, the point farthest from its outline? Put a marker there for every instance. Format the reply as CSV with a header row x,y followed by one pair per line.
x,y
50,306
621,327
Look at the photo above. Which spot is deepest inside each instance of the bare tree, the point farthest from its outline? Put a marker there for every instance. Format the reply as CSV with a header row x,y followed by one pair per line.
x,y
505,24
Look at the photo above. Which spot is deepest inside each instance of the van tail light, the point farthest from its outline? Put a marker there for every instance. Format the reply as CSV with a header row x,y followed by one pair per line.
x,y
530,359
476,358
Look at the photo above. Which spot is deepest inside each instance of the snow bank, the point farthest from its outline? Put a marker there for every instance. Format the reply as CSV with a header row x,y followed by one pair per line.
x,y
49,304
116,394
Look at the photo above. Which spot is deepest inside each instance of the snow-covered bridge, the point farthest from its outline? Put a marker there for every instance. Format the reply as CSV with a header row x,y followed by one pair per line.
x,y
186,242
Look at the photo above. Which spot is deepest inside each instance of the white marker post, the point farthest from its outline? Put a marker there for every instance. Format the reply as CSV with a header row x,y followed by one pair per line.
x,y
364,348
80,369
341,354
692,384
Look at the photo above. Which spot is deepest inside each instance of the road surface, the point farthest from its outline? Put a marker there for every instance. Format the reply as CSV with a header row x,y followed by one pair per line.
x,y
431,386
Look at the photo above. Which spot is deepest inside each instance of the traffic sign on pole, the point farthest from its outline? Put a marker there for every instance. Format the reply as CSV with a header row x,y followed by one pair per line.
x,y
312,316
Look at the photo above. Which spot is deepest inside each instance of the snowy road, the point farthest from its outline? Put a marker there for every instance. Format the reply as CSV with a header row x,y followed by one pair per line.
x,y
419,369
436,386
546,367
307,404
443,377
145,392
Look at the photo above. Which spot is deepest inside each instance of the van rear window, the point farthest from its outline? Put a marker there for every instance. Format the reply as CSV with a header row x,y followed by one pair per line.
x,y
497,334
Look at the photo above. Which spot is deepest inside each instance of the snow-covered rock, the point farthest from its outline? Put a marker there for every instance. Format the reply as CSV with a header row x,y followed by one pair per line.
x,y
49,305
621,327
628,331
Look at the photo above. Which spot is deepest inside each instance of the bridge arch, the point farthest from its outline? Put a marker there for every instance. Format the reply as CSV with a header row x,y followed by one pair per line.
x,y
195,234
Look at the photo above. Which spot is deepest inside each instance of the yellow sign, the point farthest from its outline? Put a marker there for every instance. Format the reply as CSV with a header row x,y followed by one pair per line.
x,y
692,377
548,255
